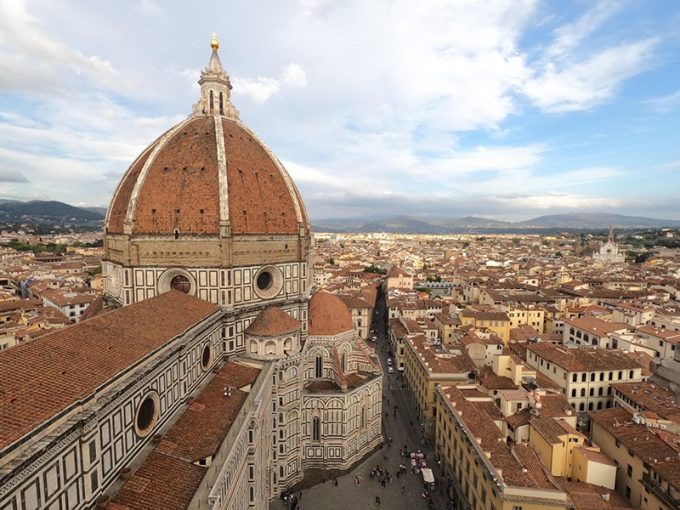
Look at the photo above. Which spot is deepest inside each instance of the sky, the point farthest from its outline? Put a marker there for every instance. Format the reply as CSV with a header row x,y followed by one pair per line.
x,y
507,109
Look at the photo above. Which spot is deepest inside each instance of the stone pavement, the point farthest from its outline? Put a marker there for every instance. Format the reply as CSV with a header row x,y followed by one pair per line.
x,y
349,495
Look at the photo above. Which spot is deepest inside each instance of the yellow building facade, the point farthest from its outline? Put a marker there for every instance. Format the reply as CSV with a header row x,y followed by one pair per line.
x,y
484,472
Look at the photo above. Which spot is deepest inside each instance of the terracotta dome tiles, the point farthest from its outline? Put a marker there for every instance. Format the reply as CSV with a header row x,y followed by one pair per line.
x,y
328,315
273,321
259,199
121,199
181,189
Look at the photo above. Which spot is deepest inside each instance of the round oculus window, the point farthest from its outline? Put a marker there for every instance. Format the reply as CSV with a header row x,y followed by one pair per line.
x,y
147,415
264,280
206,357
181,283
268,282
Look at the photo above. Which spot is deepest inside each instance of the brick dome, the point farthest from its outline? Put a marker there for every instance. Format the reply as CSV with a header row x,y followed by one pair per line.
x,y
206,172
273,321
328,315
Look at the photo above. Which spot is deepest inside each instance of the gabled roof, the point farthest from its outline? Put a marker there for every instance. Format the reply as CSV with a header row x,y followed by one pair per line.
x,y
68,365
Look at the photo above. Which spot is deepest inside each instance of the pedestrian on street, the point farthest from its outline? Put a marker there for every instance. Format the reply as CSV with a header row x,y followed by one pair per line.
x,y
377,501
300,498
403,488
357,480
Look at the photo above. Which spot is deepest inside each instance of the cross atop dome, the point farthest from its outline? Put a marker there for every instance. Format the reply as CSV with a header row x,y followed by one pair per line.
x,y
215,87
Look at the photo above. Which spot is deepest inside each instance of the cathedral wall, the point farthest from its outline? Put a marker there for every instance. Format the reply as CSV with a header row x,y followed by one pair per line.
x,y
235,323
286,438
350,425
239,475
235,287
205,251
87,451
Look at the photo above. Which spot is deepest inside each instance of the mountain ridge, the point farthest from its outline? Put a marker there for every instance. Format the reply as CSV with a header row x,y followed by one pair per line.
x,y
45,211
442,225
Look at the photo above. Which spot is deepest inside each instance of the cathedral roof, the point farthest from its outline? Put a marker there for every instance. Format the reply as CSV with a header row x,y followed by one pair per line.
x,y
273,321
328,315
168,478
207,175
47,376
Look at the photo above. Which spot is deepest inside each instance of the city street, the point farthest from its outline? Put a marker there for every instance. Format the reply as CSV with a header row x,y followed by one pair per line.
x,y
349,495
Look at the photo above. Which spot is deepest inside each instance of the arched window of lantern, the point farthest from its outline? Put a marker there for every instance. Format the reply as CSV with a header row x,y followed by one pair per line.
x,y
316,429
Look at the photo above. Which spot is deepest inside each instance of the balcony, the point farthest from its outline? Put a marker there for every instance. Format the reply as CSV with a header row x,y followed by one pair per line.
x,y
658,491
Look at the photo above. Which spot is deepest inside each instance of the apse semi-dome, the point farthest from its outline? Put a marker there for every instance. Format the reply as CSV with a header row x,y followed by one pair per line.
x,y
208,209
328,315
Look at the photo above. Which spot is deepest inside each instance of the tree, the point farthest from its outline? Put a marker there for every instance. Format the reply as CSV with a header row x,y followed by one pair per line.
x,y
374,269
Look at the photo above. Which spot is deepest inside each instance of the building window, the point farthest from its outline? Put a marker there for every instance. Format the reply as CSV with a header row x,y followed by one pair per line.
x,y
206,357
583,377
627,492
574,377
316,429
181,283
629,471
583,392
319,367
264,280
573,392
147,415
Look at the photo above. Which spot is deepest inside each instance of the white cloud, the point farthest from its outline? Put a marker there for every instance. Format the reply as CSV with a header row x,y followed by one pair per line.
x,y
574,73
262,88
557,200
570,35
150,8
316,7
666,103
582,85
294,76
31,59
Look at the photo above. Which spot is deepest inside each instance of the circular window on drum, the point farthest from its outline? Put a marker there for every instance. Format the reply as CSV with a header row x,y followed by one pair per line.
x,y
147,414
268,282
206,357
181,283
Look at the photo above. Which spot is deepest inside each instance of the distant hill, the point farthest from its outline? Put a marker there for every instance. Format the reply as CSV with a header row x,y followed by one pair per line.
x,y
470,224
597,221
98,210
45,211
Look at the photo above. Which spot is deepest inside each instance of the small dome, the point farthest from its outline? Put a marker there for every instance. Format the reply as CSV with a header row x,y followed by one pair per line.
x,y
273,321
328,315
